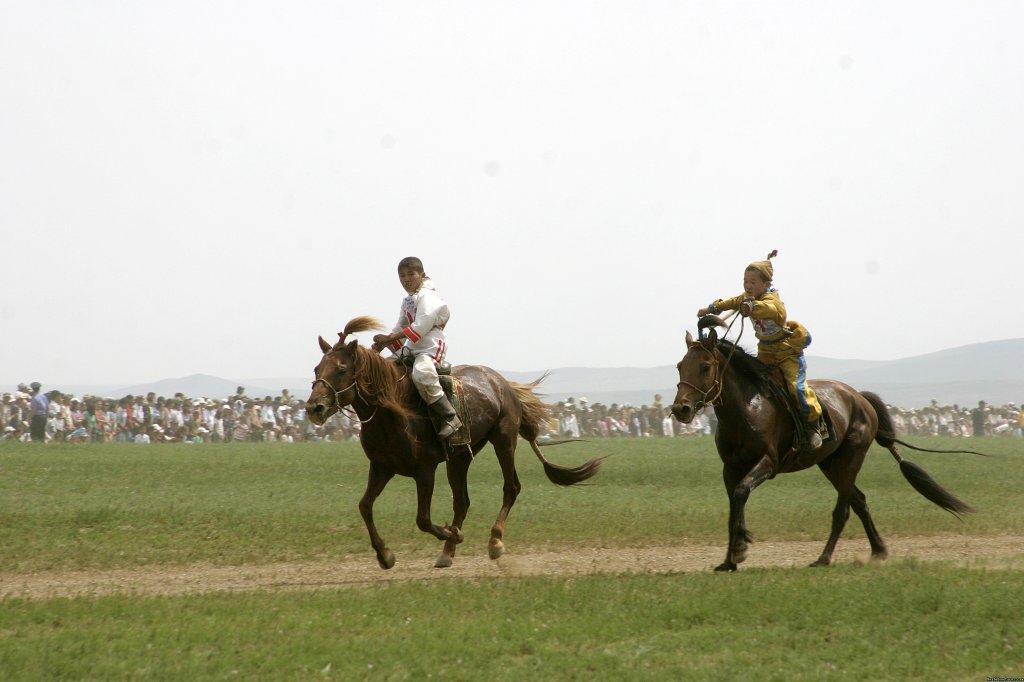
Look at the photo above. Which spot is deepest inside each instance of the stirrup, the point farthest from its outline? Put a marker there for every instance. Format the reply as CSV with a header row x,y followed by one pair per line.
x,y
817,433
449,428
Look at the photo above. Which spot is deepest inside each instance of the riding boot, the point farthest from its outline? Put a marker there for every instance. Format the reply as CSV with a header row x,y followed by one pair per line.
x,y
817,433
446,421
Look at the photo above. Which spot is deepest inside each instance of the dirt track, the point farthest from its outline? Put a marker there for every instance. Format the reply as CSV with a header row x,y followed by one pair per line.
x,y
362,571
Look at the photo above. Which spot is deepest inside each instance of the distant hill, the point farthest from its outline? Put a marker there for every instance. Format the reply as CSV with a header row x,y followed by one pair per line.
x,y
193,386
992,361
992,371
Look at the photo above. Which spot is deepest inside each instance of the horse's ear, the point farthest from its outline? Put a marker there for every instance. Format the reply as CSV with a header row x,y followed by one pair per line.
x,y
352,346
712,338
689,339
324,346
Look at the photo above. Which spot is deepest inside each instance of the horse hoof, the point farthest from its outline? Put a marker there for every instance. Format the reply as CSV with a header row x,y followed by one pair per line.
x,y
443,561
386,559
495,549
726,567
820,563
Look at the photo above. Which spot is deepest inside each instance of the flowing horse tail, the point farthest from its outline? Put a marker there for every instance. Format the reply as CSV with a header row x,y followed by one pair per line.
x,y
534,415
915,475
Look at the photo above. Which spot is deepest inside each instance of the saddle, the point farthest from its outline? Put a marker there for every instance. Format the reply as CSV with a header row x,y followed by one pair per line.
x,y
406,359
778,387
452,387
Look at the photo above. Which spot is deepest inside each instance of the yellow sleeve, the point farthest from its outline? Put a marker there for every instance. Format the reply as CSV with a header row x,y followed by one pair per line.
x,y
769,308
726,304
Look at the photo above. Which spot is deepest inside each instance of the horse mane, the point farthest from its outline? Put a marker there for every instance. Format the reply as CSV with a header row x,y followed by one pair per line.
x,y
379,381
743,362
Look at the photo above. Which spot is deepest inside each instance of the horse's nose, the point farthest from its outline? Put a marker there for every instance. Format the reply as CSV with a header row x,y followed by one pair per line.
x,y
683,412
315,411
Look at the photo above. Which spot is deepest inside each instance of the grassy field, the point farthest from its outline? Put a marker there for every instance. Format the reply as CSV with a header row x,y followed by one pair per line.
x,y
106,507
897,622
115,506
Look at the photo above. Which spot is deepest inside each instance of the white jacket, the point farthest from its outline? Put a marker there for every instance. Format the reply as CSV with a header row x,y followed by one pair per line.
x,y
422,320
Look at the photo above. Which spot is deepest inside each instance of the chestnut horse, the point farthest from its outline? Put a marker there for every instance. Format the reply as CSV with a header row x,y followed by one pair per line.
x,y
755,433
398,437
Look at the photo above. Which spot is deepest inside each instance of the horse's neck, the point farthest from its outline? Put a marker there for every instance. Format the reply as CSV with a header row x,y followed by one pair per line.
x,y
740,398
363,409
377,423
401,394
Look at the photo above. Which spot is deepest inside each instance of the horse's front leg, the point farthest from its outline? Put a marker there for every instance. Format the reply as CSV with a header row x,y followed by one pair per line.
x,y
739,491
457,468
424,494
378,479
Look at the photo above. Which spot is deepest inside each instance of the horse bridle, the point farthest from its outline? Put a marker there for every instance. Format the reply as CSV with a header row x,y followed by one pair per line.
x,y
704,394
337,403
719,372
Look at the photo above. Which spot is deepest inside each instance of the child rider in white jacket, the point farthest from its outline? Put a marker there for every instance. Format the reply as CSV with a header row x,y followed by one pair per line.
x,y
420,332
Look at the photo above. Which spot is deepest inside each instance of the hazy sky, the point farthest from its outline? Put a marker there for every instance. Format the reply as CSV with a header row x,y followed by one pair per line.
x,y
206,187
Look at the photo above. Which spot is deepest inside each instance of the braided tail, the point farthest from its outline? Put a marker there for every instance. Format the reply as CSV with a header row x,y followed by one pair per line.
x,y
915,475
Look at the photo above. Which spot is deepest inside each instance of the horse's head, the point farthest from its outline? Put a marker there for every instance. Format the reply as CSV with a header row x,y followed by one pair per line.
x,y
334,377
699,373
334,384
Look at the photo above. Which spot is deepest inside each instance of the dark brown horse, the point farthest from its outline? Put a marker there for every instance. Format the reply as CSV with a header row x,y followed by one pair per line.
x,y
755,432
398,438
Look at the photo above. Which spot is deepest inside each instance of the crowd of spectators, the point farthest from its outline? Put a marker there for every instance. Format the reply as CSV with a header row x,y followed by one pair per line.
x,y
957,421
573,419
580,419
155,419
240,418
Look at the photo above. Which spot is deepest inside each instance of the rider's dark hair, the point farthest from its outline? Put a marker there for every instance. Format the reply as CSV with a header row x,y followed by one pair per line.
x,y
411,263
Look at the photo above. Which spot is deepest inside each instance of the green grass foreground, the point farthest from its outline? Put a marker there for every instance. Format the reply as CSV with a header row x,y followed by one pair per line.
x,y
893,622
115,506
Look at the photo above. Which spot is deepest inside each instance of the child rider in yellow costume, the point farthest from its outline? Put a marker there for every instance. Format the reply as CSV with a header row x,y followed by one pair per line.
x,y
779,342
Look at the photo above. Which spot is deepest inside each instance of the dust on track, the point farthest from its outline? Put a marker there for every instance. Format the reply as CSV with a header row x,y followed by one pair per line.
x,y
361,571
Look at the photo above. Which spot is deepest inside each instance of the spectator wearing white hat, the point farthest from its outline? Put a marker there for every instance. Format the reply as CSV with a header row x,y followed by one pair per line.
x,y
255,428
284,416
14,413
570,426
